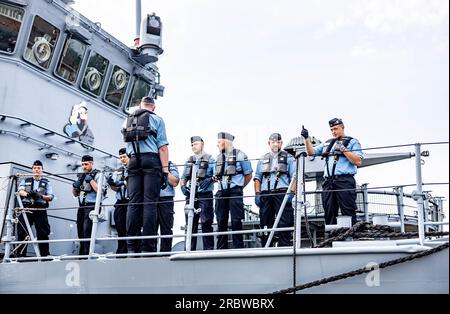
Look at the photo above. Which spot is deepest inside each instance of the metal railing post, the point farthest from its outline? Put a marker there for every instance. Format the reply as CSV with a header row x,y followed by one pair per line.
x,y
280,212
189,208
9,218
400,207
299,203
418,194
27,224
98,203
365,196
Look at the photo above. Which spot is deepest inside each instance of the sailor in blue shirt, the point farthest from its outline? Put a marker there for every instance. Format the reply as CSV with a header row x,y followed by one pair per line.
x,y
86,188
147,172
274,172
233,172
342,155
117,182
165,208
35,192
204,187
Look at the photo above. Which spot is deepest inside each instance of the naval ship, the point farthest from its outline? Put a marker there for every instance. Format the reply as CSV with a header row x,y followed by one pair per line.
x,y
64,80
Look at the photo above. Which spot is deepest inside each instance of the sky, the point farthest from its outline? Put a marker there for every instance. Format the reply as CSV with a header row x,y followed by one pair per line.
x,y
254,67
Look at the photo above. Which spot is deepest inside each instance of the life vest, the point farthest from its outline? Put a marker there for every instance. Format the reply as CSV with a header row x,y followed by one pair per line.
x,y
85,186
42,189
231,162
137,127
282,163
202,167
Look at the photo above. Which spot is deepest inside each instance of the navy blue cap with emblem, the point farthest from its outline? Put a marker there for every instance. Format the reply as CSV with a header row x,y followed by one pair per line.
x,y
87,158
225,136
148,100
335,121
38,163
196,139
275,137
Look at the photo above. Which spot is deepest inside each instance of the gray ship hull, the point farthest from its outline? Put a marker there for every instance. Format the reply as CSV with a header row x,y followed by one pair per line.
x,y
241,271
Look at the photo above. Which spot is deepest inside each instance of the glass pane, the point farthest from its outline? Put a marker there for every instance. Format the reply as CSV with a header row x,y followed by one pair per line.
x,y
41,43
10,22
94,74
70,61
140,89
117,86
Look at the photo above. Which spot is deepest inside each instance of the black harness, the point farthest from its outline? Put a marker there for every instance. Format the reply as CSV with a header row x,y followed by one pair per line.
x,y
282,167
327,146
42,189
230,170
137,129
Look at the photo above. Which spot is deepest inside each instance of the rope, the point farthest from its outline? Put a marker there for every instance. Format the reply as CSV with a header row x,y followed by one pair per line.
x,y
363,270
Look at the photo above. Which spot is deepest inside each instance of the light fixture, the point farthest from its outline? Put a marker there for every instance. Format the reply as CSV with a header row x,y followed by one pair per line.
x,y
52,156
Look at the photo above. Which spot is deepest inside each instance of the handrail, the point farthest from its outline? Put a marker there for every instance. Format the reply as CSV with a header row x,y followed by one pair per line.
x,y
4,116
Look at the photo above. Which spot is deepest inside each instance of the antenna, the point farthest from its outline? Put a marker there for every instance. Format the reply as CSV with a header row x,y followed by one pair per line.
x,y
138,22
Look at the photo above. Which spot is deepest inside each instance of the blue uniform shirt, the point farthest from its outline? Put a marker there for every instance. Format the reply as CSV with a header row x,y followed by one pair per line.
x,y
242,164
343,166
91,196
209,174
122,193
169,190
36,187
151,145
283,180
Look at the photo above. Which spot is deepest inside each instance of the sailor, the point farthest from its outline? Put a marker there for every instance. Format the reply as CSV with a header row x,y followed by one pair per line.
x,y
342,156
204,186
36,192
117,182
145,135
86,188
165,208
233,172
274,171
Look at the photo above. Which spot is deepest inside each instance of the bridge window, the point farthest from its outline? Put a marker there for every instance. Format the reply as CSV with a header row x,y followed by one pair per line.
x,y
70,61
117,86
95,73
41,43
10,23
140,89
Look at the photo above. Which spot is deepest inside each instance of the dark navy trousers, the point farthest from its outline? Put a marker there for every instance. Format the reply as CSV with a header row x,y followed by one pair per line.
x,y
144,185
84,227
270,205
120,219
230,201
165,222
40,220
339,192
204,201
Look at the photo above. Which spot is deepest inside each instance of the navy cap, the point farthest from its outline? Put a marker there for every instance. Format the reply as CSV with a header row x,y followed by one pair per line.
x,y
275,137
335,121
87,158
225,135
196,139
122,151
148,100
38,163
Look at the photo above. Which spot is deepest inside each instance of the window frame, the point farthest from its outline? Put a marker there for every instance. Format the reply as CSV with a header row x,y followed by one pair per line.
x,y
69,36
55,50
85,67
130,76
19,34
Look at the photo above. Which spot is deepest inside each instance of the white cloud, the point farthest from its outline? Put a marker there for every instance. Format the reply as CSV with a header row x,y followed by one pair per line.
x,y
394,16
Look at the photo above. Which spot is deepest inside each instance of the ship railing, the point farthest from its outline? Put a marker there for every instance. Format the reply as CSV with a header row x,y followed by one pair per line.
x,y
300,206
93,255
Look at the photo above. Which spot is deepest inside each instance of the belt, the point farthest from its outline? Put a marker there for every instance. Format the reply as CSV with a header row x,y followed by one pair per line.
x,y
339,176
145,154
